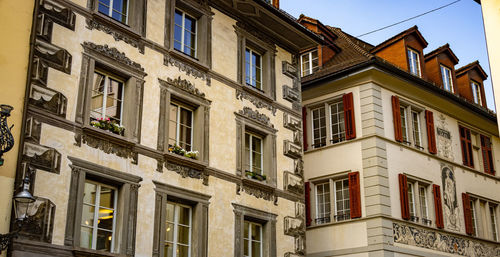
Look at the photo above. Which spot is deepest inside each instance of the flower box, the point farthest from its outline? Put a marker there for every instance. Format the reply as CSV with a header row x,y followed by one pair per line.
x,y
253,175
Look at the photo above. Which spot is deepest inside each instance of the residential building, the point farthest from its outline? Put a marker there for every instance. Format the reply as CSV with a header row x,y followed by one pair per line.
x,y
163,128
399,153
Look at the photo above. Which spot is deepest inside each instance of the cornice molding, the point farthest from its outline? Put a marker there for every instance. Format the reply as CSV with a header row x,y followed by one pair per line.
x,y
112,53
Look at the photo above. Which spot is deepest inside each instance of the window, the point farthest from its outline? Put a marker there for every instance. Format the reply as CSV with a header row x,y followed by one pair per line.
x,y
96,217
253,68
476,92
254,153
493,221
416,192
414,62
410,124
323,203
422,196
417,137
473,217
178,231
256,63
404,125
309,63
411,201
252,239
185,33
116,9
180,127
107,97
341,197
487,155
447,77
466,146
333,121
255,234
180,222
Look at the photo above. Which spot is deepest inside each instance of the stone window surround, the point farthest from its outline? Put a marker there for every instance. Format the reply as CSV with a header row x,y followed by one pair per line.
x,y
93,59
203,16
330,179
268,221
137,10
268,135
127,185
483,227
267,50
201,117
199,202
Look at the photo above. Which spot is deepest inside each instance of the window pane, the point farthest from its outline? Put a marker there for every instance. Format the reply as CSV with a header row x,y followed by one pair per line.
x,y
190,25
246,227
169,236
103,6
256,249
182,251
256,232
178,18
86,237
105,219
88,215
104,240
184,215
245,247
183,235
89,193
169,250
107,197
170,212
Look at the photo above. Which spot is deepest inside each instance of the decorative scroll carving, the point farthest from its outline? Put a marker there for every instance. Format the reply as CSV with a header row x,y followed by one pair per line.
x,y
184,85
44,26
291,122
294,226
293,183
117,35
59,14
420,237
300,210
258,190
188,69
256,116
450,202
40,224
39,71
240,95
108,146
290,94
444,138
292,150
297,138
159,165
113,53
298,167
33,130
48,99
300,245
188,172
56,57
42,157
289,69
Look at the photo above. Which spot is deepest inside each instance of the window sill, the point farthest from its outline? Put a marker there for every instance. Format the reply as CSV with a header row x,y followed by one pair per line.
x,y
257,92
185,161
84,252
102,18
108,135
188,59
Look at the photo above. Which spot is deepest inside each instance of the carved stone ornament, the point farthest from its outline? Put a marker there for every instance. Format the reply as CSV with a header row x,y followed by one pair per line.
x,y
188,172
117,35
105,145
293,183
56,57
289,69
443,242
444,142
48,99
40,223
290,94
300,245
298,167
42,157
291,122
259,191
450,200
183,84
256,116
113,53
59,14
300,210
292,150
240,95
188,69
294,226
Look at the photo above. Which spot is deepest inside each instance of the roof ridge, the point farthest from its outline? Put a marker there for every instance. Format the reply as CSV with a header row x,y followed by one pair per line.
x,y
348,40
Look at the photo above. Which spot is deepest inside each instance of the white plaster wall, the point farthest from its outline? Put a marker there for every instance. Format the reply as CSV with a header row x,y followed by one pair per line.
x,y
337,237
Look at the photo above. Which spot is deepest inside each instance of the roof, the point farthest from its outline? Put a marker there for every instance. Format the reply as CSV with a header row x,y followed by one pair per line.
x,y
392,40
473,65
442,49
322,30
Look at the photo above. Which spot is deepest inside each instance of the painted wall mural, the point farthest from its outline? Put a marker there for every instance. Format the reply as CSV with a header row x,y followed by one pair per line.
x,y
450,200
443,138
420,237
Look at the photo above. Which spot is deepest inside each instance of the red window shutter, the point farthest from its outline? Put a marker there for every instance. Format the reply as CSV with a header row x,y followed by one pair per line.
x,y
431,134
467,214
354,195
403,197
349,123
438,206
304,127
466,145
487,156
396,116
307,195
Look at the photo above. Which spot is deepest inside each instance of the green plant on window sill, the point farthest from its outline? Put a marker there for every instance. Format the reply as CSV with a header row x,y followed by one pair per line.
x,y
107,124
254,175
180,151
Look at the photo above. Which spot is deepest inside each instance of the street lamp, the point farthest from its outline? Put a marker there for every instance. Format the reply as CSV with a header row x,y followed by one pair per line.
x,y
6,139
22,202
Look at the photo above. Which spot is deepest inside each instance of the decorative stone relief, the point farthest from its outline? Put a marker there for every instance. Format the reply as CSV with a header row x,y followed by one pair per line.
x,y
420,237
290,94
33,129
450,202
103,144
113,53
293,183
256,116
56,57
188,172
59,14
292,150
159,165
183,84
258,192
117,35
289,69
40,224
300,245
444,144
297,138
48,99
294,226
291,122
298,167
188,69
42,157
39,71
44,27
240,95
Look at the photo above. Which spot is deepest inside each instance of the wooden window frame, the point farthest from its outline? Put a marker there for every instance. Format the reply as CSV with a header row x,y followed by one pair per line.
x,y
418,67
415,184
250,240
311,68
136,17
107,76
183,28
409,109
466,146
476,92
178,124
248,77
447,80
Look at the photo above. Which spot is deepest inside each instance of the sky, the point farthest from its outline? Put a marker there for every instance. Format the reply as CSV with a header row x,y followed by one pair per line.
x,y
460,24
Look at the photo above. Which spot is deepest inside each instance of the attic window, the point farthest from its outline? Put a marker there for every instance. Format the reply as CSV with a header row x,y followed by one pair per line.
x,y
309,63
476,92
447,78
414,62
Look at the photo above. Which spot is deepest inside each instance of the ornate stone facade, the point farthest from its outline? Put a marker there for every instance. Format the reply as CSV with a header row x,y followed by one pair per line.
x,y
450,201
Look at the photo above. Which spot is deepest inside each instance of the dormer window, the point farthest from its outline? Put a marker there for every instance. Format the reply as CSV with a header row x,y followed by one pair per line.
x,y
447,79
476,92
309,63
414,62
